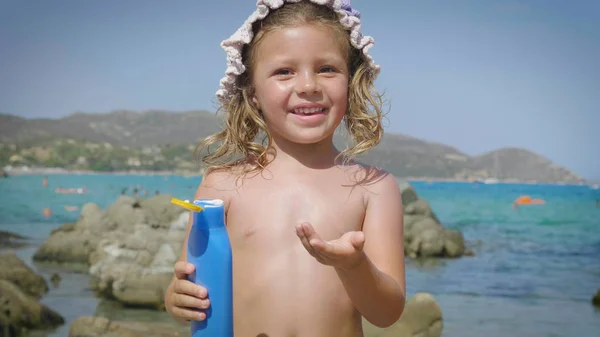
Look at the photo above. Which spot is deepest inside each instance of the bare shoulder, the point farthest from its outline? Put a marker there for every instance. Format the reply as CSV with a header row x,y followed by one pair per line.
x,y
218,183
219,178
373,180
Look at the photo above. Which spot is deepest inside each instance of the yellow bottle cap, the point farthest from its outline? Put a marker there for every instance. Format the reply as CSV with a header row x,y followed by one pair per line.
x,y
186,205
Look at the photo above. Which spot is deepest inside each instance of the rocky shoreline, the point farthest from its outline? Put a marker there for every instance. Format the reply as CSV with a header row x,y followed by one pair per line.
x,y
129,251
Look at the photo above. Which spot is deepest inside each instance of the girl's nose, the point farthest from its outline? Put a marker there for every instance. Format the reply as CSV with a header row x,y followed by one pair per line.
x,y
307,84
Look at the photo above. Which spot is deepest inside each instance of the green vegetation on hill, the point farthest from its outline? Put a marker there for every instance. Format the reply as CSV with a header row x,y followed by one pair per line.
x,y
162,140
104,157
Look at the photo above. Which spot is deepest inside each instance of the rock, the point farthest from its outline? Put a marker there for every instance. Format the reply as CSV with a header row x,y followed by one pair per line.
x,y
137,270
12,240
103,327
91,218
454,243
20,312
162,211
419,207
20,289
125,213
422,317
408,193
67,247
429,242
67,227
73,243
55,279
181,223
14,270
76,243
596,299
130,249
414,230
424,235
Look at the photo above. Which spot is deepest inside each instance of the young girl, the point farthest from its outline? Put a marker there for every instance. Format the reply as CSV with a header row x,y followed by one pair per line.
x,y
316,237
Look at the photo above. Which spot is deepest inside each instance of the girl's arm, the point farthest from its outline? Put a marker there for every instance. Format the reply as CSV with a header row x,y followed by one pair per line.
x,y
376,285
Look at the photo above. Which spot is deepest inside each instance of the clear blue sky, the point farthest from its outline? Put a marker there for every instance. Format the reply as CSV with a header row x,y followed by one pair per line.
x,y
475,74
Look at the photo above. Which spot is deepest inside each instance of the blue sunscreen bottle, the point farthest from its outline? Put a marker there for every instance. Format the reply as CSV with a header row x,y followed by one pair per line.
x,y
209,250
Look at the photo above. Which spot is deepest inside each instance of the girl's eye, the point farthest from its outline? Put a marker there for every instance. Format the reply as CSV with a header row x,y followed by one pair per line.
x,y
328,69
282,72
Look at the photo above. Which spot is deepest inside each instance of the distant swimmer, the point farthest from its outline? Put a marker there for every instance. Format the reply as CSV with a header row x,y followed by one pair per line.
x,y
70,208
79,190
527,200
45,181
47,212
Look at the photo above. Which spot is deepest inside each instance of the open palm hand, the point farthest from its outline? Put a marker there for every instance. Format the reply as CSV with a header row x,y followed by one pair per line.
x,y
344,253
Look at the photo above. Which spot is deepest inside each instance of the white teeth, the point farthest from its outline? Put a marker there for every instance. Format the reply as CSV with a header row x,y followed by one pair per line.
x,y
308,111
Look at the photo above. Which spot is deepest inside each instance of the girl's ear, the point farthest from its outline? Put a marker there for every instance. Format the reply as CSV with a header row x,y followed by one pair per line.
x,y
250,97
255,101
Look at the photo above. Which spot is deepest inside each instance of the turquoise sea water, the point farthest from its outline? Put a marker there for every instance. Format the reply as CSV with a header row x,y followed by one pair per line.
x,y
534,272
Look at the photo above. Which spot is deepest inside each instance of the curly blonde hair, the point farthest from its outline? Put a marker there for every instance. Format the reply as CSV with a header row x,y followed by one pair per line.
x,y
238,143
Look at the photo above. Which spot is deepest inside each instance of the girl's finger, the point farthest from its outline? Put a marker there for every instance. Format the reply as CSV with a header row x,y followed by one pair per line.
x,y
183,269
190,302
320,247
304,241
322,256
188,314
332,250
310,232
358,240
189,288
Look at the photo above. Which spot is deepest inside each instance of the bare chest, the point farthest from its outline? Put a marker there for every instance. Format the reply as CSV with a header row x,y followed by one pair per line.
x,y
266,212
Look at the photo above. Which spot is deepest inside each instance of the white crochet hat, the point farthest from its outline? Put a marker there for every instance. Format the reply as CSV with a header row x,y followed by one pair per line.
x,y
349,18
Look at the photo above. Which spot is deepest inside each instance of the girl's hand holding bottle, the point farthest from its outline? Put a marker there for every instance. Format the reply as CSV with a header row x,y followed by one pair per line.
x,y
184,298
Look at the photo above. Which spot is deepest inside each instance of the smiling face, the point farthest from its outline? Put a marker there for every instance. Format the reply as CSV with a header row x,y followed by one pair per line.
x,y
300,79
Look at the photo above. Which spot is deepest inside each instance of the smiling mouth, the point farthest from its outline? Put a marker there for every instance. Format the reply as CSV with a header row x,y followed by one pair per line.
x,y
311,111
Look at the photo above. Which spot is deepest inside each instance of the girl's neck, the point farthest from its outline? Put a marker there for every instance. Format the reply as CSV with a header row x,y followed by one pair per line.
x,y
318,156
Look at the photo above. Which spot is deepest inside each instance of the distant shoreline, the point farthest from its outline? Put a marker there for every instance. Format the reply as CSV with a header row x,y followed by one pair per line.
x,y
58,171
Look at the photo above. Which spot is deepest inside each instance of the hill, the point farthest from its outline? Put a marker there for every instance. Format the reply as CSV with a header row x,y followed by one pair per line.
x,y
508,163
123,127
163,140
